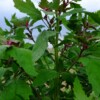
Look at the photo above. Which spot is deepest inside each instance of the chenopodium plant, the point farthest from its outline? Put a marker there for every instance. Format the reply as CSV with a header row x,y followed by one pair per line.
x,y
67,71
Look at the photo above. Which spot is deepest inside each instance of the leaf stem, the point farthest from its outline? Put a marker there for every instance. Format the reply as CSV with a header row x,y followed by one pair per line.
x,y
80,54
45,23
30,33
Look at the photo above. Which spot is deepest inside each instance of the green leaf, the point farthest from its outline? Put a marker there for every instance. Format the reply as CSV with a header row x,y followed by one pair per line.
x,y
28,8
73,11
3,48
19,33
54,5
48,12
41,44
78,91
44,76
75,5
95,16
46,98
43,4
1,31
19,21
17,90
65,22
2,71
24,59
7,23
94,50
93,72
90,20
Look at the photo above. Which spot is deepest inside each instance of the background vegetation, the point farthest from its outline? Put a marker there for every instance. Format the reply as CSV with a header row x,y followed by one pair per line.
x,y
70,71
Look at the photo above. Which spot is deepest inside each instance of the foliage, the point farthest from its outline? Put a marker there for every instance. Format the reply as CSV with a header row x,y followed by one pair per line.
x,y
67,71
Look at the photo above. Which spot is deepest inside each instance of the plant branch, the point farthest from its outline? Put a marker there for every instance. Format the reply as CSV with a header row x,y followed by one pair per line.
x,y
56,81
45,23
30,34
79,56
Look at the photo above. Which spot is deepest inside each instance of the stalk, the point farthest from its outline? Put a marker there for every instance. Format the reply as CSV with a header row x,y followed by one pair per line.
x,y
56,81
56,48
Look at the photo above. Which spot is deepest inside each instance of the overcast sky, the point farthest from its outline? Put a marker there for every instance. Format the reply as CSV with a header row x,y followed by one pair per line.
x,y
7,8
